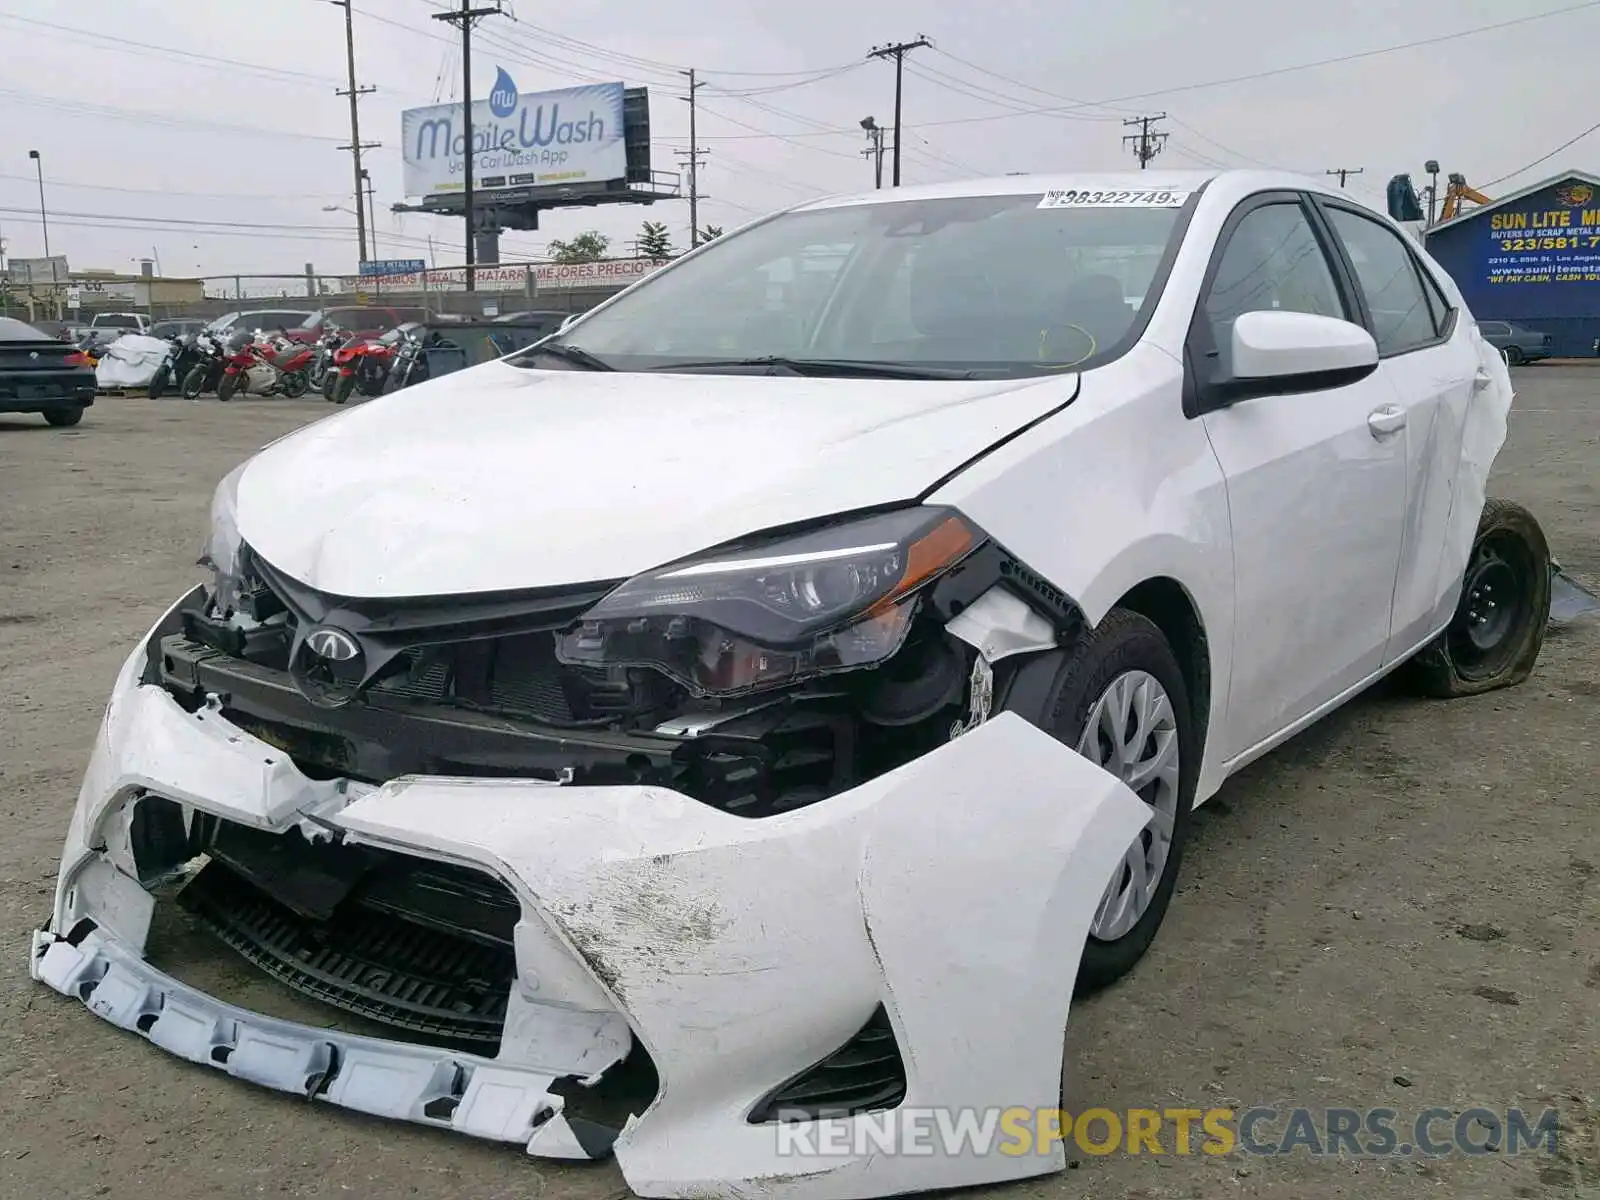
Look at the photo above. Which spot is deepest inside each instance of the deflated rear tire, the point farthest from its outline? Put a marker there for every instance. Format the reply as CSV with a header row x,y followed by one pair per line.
x,y
1494,639
1120,700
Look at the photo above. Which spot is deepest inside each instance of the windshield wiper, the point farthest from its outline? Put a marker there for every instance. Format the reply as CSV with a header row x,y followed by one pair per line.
x,y
828,367
571,354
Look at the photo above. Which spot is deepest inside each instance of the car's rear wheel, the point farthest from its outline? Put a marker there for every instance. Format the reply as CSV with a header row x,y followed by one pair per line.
x,y
63,417
1121,702
1494,639
1513,356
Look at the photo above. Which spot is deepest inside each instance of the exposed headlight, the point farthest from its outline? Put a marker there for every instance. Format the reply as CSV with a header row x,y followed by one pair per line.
x,y
224,546
830,600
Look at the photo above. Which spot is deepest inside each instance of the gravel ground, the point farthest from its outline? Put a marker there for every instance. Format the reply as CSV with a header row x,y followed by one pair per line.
x,y
1407,892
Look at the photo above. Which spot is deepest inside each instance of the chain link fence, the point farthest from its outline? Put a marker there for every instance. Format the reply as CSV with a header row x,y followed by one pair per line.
x,y
496,290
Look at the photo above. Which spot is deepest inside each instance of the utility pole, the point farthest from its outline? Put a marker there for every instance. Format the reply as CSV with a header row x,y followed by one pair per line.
x,y
372,212
898,52
1146,145
1344,172
692,161
356,146
874,149
466,17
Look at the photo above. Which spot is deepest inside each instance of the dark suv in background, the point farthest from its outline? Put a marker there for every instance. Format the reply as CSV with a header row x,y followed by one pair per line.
x,y
1517,342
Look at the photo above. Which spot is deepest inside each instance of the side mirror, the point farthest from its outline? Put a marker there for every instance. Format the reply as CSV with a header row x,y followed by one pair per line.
x,y
1276,353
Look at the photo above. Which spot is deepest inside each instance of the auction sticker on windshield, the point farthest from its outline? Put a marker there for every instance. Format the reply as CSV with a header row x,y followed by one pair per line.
x,y
1139,198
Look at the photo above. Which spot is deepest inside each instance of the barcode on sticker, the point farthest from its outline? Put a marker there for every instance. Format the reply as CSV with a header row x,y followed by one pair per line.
x,y
1132,198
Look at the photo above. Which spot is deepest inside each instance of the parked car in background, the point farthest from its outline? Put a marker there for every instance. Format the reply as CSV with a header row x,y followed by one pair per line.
x,y
360,320
43,374
548,319
177,327
1517,342
269,319
113,324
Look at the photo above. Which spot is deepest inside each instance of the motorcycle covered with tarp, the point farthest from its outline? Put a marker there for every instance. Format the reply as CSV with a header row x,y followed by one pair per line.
x,y
132,361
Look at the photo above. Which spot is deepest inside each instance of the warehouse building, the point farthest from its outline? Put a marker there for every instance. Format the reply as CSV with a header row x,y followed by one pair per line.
x,y
1532,258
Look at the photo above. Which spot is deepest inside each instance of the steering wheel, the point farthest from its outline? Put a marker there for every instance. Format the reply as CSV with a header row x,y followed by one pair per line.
x,y
1046,345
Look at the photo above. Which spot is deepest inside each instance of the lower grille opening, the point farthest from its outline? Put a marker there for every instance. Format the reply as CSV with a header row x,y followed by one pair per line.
x,y
866,1074
421,948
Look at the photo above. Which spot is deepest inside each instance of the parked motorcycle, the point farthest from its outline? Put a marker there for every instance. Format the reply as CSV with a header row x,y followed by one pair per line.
x,y
206,373
183,358
362,366
421,354
322,361
266,367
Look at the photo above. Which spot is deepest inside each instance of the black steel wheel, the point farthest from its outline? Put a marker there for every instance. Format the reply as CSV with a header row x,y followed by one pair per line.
x,y
1494,638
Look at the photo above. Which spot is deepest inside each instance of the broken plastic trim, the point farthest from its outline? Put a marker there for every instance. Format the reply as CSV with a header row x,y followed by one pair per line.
x,y
866,1074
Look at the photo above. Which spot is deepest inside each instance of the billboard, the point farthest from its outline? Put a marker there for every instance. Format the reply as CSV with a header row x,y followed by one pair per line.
x,y
26,271
537,139
1533,259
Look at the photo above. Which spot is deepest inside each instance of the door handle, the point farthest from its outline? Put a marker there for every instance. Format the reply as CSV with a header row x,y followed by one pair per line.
x,y
1386,421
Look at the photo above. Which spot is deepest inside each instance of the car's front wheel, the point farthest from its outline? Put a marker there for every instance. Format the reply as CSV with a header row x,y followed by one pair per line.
x,y
1121,702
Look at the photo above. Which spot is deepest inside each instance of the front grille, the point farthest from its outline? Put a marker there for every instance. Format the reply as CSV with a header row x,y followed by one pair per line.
x,y
414,945
866,1074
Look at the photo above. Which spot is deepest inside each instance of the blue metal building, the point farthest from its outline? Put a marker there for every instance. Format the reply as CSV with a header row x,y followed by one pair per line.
x,y
1532,257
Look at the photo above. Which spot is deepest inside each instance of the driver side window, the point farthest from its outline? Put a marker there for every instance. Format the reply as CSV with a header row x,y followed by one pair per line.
x,y
1272,261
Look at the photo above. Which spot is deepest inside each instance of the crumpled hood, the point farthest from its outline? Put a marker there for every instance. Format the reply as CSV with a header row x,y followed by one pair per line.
x,y
501,478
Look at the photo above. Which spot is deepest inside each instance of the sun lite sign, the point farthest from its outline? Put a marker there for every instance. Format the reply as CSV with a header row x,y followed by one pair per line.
x,y
519,140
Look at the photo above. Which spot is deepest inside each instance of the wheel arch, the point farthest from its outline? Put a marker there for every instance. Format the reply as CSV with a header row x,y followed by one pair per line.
x,y
1168,604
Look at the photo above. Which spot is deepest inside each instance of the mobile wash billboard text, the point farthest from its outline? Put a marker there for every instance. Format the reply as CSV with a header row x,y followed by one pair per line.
x,y
533,139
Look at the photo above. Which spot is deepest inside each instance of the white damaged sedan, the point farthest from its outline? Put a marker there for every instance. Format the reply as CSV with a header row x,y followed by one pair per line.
x,y
771,700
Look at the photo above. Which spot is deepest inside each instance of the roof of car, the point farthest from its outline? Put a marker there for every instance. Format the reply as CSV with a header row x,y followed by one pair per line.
x,y
1024,184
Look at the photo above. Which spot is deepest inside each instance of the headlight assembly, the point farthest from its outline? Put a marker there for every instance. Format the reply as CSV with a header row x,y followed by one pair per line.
x,y
831,600
224,546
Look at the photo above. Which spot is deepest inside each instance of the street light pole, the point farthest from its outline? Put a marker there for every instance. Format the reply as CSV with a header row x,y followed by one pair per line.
x,y
44,223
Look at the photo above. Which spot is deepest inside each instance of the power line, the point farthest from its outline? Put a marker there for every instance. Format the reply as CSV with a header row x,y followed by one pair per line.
x,y
898,52
1572,141
1146,145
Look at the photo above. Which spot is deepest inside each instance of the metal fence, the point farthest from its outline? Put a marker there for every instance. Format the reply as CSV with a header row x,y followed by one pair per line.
x,y
495,290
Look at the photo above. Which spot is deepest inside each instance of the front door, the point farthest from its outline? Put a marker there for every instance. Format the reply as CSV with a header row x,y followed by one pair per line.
x,y
1316,487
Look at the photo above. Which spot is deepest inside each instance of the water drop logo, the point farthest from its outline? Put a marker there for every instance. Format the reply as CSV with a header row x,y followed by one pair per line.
x,y
503,98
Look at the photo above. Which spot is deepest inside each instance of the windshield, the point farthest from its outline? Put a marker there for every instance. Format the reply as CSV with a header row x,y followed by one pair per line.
x,y
116,321
991,284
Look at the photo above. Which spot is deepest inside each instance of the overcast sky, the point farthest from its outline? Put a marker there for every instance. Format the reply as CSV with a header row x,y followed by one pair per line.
x,y
137,141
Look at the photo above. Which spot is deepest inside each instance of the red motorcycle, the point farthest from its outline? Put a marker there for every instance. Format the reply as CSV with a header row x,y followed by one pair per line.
x,y
360,365
265,367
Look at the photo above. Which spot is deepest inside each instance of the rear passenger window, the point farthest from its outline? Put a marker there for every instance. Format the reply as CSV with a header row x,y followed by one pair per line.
x,y
1402,318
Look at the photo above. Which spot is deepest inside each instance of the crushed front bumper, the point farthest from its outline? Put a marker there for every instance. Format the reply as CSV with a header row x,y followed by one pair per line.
x,y
955,893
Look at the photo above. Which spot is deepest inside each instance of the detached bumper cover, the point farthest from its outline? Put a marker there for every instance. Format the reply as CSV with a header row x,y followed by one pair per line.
x,y
956,892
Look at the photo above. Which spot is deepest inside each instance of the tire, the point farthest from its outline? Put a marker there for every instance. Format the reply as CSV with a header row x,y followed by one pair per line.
x,y
342,388
1127,650
160,382
1494,638
227,387
194,383
1514,356
295,384
61,418
330,381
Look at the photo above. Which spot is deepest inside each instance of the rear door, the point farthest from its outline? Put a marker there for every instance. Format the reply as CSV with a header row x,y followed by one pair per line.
x,y
1436,369
1315,482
